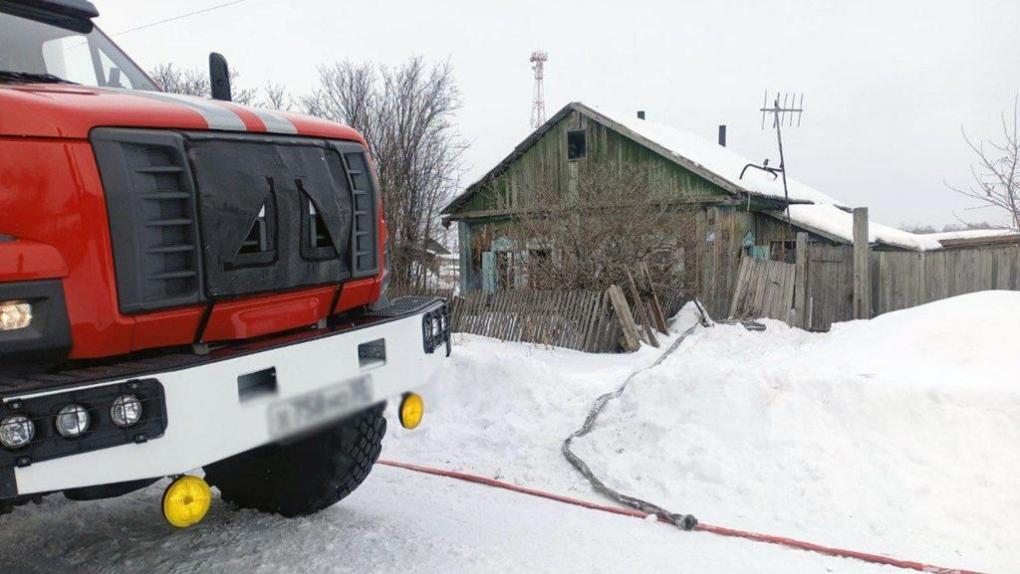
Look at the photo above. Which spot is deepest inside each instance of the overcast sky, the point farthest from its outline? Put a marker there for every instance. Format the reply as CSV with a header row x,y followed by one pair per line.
x,y
887,84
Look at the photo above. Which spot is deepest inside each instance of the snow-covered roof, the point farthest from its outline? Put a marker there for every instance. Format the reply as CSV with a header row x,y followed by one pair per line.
x,y
970,234
835,223
822,214
717,159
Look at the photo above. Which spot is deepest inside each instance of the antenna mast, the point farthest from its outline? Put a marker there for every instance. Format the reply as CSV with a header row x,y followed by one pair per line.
x,y
784,108
538,60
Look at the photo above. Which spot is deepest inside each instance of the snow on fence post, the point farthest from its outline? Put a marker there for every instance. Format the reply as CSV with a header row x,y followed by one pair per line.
x,y
862,265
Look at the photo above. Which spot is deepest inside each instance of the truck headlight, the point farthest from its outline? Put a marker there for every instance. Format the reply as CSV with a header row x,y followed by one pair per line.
x,y
15,315
16,431
72,421
126,410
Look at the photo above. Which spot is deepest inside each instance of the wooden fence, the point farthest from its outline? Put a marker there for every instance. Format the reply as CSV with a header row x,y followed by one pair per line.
x,y
580,320
898,280
561,318
906,279
819,289
591,321
828,287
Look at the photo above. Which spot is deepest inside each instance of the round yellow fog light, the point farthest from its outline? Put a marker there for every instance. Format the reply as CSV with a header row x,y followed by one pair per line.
x,y
186,501
412,409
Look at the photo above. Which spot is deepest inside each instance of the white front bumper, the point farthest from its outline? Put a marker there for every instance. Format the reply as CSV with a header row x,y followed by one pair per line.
x,y
207,421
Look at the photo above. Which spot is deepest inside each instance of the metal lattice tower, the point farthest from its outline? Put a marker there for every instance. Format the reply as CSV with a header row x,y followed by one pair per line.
x,y
538,60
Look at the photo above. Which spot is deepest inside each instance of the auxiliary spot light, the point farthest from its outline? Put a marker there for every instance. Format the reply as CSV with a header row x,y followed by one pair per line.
x,y
16,431
126,411
186,501
72,421
412,409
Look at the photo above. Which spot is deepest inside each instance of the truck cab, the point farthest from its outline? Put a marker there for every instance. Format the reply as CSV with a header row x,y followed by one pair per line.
x,y
186,283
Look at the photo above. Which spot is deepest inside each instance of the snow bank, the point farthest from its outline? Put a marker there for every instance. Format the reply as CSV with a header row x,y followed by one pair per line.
x,y
897,435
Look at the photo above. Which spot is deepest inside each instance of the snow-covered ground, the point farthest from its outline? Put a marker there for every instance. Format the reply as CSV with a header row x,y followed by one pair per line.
x,y
895,436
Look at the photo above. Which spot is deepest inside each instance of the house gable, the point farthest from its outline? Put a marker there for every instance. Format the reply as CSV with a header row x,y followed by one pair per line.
x,y
543,159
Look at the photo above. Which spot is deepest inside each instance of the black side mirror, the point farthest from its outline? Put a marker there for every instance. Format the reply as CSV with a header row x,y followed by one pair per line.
x,y
219,77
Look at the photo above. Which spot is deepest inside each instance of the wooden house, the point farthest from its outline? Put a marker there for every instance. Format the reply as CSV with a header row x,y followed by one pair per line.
x,y
738,211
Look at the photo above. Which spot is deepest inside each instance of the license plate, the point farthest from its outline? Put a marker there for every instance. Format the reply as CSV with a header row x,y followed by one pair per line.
x,y
317,408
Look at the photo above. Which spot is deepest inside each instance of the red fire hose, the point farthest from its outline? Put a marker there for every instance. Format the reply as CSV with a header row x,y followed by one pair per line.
x,y
719,530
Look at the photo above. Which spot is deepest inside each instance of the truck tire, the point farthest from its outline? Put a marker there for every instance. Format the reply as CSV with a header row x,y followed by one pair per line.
x,y
306,476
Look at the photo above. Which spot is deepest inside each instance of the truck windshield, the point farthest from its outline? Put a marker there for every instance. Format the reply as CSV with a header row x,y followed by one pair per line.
x,y
33,51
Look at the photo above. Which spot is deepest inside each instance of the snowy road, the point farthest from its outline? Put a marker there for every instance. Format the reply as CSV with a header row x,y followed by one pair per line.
x,y
398,521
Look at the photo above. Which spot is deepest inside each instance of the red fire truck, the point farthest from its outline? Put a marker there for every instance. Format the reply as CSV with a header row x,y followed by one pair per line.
x,y
187,283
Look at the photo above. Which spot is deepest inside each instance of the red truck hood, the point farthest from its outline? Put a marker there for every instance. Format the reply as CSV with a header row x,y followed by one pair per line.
x,y
69,111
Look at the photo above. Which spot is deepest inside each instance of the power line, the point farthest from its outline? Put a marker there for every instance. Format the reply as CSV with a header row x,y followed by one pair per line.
x,y
181,17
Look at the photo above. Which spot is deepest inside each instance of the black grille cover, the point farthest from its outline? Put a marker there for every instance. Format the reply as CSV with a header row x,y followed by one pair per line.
x,y
196,216
240,177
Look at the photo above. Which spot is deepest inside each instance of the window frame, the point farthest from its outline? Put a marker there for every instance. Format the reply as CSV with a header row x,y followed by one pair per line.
x,y
584,147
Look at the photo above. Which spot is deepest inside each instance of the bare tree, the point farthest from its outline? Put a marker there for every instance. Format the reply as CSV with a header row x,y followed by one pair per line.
x,y
275,97
997,169
180,81
406,114
193,82
608,221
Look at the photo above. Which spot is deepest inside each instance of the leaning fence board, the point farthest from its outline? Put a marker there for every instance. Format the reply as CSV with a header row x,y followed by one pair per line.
x,y
763,289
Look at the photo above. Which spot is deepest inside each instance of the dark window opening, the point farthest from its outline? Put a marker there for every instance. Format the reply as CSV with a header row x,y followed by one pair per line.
x,y
577,145
783,251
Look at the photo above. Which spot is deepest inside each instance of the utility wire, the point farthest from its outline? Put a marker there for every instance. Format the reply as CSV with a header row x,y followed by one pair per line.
x,y
181,17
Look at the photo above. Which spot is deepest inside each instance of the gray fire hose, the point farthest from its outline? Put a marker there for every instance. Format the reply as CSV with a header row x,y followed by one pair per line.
x,y
682,521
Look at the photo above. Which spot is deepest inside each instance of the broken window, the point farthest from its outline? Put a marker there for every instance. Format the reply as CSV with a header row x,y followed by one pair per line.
x,y
577,144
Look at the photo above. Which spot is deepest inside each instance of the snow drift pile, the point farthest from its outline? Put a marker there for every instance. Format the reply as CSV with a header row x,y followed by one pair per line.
x,y
897,435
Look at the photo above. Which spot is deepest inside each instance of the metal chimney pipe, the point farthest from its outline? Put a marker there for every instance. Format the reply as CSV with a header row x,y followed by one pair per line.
x,y
722,135
641,115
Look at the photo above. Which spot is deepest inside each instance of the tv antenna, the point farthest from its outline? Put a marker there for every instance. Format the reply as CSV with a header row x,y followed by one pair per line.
x,y
784,108
538,60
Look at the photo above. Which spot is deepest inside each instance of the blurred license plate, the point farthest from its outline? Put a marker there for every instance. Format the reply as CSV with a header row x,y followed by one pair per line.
x,y
318,407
